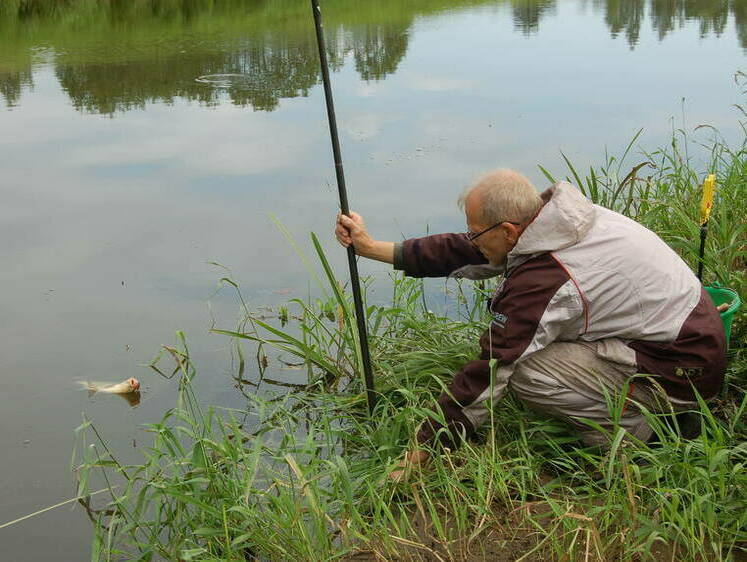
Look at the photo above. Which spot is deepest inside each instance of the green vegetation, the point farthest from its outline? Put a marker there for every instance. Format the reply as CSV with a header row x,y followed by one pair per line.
x,y
305,479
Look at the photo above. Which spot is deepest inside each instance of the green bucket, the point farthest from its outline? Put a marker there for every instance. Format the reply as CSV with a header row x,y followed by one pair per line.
x,y
720,295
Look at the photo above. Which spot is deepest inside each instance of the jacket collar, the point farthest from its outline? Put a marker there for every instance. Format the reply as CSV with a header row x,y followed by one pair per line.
x,y
566,217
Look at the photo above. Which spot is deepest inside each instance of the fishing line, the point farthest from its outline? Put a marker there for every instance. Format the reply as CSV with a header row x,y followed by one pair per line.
x,y
352,263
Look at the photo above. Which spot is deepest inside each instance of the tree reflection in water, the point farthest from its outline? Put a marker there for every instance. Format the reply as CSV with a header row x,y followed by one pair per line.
x,y
527,14
118,56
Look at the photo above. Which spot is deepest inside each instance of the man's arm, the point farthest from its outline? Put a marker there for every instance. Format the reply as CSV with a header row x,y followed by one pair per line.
x,y
378,250
438,255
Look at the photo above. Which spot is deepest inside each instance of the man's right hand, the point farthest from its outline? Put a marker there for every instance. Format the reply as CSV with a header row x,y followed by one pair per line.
x,y
352,230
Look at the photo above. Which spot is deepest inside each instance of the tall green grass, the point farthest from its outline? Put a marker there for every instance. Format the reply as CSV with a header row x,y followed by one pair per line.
x,y
306,479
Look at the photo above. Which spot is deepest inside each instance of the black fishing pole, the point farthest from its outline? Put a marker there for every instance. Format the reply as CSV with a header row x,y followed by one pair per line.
x,y
701,251
360,315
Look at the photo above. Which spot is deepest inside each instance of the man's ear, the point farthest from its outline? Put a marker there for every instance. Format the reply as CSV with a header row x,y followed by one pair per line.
x,y
512,232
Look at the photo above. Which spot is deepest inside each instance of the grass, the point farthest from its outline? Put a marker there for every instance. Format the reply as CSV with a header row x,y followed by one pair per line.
x,y
305,479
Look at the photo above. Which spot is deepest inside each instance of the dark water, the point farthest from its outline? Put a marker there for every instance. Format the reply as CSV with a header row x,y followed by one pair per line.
x,y
123,175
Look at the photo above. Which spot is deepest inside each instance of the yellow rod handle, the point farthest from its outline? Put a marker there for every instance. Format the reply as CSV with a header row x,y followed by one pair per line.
x,y
706,204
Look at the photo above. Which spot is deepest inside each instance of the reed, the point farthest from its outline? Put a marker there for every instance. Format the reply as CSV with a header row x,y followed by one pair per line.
x,y
307,479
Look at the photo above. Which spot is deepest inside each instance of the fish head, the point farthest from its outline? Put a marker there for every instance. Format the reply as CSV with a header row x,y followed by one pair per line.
x,y
134,384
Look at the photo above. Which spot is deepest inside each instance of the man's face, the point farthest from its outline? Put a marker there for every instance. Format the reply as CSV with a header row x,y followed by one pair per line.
x,y
496,243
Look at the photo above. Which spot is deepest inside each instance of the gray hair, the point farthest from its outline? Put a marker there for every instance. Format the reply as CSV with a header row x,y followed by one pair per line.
x,y
505,195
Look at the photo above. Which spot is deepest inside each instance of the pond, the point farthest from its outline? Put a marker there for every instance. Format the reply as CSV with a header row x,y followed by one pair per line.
x,y
124,174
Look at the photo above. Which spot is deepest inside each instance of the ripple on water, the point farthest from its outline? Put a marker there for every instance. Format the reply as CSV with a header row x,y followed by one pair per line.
x,y
224,80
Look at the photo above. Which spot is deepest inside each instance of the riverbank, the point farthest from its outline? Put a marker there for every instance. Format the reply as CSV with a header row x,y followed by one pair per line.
x,y
303,476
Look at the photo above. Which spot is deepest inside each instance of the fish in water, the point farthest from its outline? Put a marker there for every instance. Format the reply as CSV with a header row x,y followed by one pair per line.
x,y
128,389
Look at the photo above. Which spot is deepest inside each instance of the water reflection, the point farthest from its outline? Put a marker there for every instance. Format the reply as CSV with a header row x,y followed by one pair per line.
x,y
712,15
12,83
129,54
527,13
378,49
276,69
104,68
627,16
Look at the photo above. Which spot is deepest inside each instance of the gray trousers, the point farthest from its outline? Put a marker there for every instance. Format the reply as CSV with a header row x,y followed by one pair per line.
x,y
580,380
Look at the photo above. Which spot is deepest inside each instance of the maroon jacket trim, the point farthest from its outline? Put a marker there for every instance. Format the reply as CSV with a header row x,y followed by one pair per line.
x,y
519,307
695,360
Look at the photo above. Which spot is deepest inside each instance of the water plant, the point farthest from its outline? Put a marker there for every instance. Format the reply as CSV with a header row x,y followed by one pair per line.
x,y
302,475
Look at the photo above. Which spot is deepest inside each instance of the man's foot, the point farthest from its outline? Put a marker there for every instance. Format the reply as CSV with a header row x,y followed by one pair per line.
x,y
413,459
687,424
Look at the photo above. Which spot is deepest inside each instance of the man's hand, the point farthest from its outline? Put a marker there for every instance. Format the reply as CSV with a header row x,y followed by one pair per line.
x,y
352,230
416,459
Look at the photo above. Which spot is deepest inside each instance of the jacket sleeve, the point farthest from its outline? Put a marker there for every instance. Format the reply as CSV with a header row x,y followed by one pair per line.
x,y
536,305
438,255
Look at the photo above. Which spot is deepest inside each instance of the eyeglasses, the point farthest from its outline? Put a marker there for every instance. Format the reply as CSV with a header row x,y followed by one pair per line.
x,y
471,236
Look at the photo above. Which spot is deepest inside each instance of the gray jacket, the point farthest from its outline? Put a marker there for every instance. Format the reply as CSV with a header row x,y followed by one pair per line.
x,y
582,272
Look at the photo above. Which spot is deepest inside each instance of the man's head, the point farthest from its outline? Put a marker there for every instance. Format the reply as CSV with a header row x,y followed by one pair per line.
x,y
498,206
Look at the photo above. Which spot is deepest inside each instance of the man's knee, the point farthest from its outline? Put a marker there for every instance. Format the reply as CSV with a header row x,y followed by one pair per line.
x,y
530,382
568,380
542,380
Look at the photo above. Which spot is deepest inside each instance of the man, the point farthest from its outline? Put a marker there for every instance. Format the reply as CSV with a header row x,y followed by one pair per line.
x,y
589,299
